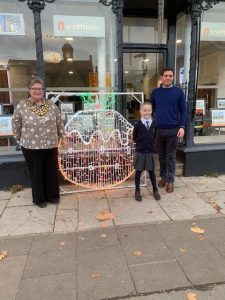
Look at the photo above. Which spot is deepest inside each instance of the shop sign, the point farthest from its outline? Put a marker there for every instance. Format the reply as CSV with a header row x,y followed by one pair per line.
x,y
79,26
11,24
211,31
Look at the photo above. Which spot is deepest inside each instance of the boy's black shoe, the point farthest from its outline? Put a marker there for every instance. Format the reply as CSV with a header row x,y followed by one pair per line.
x,y
156,195
138,195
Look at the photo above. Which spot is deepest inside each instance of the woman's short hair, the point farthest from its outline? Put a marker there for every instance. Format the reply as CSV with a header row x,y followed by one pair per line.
x,y
35,79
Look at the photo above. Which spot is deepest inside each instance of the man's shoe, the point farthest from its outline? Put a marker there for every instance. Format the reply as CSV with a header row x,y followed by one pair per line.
x,y
41,204
138,195
162,183
156,195
169,187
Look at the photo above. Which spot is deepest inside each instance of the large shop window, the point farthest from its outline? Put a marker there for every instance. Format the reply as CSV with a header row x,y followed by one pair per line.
x,y
210,103
79,47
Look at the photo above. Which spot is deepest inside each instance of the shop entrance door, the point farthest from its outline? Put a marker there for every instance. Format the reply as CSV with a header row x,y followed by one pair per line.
x,y
141,73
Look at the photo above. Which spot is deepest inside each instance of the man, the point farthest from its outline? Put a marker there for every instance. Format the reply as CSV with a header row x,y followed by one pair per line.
x,y
170,111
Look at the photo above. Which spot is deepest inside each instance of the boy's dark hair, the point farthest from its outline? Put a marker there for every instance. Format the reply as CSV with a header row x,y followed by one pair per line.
x,y
167,69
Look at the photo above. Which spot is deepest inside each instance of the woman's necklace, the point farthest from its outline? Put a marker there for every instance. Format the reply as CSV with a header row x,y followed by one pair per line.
x,y
41,111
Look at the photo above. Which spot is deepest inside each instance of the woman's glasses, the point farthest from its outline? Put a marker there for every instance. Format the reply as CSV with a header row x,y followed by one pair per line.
x,y
36,89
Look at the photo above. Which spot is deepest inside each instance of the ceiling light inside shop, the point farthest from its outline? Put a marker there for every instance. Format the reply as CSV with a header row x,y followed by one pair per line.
x,y
126,72
69,59
69,38
146,59
179,41
115,59
70,72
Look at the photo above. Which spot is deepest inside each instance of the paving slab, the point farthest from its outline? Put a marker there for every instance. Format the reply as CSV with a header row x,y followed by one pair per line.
x,y
42,244
5,195
11,270
200,261
16,246
66,220
213,293
103,274
204,184
91,195
87,220
97,238
68,201
214,198
142,244
177,230
21,198
183,204
158,276
27,220
129,211
3,204
53,287
98,202
125,193
51,262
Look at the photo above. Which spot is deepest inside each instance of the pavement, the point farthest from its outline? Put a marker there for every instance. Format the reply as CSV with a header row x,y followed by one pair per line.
x,y
153,250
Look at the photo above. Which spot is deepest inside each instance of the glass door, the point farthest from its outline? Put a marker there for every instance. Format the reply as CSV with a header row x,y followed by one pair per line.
x,y
141,73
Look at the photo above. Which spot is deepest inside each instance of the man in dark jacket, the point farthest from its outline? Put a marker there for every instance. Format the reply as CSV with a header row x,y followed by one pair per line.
x,y
169,107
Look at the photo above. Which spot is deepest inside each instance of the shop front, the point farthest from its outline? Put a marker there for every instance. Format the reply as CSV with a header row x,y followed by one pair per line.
x,y
117,46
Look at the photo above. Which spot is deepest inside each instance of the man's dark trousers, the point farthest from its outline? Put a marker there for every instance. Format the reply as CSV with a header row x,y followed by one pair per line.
x,y
166,141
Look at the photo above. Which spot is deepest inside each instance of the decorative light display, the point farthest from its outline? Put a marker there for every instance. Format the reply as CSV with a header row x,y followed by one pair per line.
x,y
100,148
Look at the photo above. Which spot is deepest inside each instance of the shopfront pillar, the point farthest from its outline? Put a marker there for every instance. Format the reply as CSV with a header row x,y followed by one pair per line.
x,y
37,6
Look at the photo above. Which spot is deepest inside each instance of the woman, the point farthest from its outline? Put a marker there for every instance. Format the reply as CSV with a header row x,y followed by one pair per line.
x,y
38,127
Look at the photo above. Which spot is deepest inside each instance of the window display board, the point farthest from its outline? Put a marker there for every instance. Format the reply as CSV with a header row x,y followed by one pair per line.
x,y
218,117
221,103
200,105
6,125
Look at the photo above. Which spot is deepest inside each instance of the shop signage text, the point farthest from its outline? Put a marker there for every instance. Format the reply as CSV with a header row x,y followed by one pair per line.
x,y
79,26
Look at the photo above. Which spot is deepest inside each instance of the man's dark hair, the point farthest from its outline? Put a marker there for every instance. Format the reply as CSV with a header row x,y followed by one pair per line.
x,y
166,69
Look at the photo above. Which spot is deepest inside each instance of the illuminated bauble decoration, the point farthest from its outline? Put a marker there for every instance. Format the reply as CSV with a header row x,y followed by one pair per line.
x,y
100,149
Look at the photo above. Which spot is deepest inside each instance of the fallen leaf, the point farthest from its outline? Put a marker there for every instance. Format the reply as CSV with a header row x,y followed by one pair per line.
x,y
137,253
182,250
150,212
192,296
217,207
105,215
3,254
103,235
95,275
62,243
197,229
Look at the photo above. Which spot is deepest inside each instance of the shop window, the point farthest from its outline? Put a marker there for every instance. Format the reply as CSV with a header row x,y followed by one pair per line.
x,y
81,60
210,103
142,30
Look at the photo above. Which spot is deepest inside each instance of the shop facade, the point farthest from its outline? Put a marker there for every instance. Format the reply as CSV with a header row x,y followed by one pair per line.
x,y
115,46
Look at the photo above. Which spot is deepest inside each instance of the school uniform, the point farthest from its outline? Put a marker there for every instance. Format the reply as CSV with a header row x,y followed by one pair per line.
x,y
144,137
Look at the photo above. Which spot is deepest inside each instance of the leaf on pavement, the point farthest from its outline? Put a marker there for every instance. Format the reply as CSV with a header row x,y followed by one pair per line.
x,y
62,243
105,215
197,229
192,296
137,253
3,254
95,275
103,235
182,250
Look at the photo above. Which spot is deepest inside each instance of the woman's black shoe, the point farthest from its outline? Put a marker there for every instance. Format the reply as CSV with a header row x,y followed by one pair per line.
x,y
138,195
41,204
156,195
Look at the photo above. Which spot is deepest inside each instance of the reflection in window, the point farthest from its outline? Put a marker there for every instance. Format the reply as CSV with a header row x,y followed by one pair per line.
x,y
210,104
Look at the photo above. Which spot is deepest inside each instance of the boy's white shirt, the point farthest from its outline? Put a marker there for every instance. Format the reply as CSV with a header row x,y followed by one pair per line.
x,y
143,120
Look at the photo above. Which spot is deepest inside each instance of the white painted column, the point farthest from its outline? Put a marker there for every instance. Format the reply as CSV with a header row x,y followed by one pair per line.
x,y
187,48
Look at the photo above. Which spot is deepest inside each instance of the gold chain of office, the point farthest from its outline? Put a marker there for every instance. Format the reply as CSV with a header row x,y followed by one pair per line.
x,y
40,111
